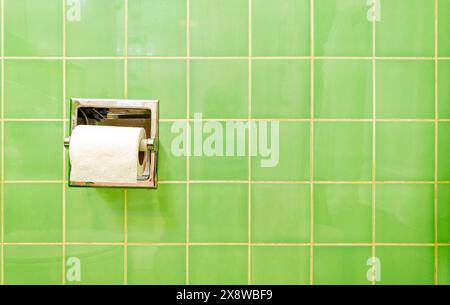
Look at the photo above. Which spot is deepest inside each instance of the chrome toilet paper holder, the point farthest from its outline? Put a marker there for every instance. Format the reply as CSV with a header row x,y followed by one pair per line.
x,y
123,113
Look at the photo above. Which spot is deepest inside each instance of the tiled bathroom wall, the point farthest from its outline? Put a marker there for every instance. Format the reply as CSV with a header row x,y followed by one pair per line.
x,y
360,89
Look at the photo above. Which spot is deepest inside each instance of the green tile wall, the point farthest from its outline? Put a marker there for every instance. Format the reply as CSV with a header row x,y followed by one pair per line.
x,y
364,117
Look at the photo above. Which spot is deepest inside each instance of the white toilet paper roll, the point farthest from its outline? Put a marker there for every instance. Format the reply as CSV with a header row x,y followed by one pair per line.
x,y
106,154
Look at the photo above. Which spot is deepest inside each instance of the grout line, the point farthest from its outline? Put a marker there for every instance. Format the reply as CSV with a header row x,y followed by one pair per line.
x,y
188,128
125,201
249,158
64,150
311,145
422,58
374,134
436,141
2,261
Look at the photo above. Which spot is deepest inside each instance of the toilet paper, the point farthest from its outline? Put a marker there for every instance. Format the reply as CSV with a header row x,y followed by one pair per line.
x,y
106,154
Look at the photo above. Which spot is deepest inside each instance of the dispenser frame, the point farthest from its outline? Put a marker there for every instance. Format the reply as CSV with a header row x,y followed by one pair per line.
x,y
150,177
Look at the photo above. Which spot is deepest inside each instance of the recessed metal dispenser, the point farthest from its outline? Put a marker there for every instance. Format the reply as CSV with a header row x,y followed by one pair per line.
x,y
123,113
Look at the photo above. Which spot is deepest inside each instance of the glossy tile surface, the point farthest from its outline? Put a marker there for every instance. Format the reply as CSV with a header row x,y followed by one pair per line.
x,y
34,89
218,28
157,216
334,97
443,89
397,261
280,213
342,213
341,28
160,265
172,166
213,208
395,140
33,213
33,150
217,265
32,265
280,89
405,89
278,266
164,80
444,266
219,89
341,265
342,151
444,146
398,36
293,159
94,79
405,213
95,215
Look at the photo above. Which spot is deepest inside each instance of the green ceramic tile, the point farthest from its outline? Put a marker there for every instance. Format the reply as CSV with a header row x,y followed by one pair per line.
x,y
280,265
281,89
95,79
280,213
33,212
342,213
98,30
33,29
406,28
404,213
219,88
443,220
405,151
443,27
341,28
172,151
164,80
95,215
343,89
157,28
209,159
157,215
218,265
346,265
33,265
218,213
406,265
405,89
280,28
282,155
443,149
33,89
443,88
443,265
343,151
33,150
219,28
99,265
156,265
